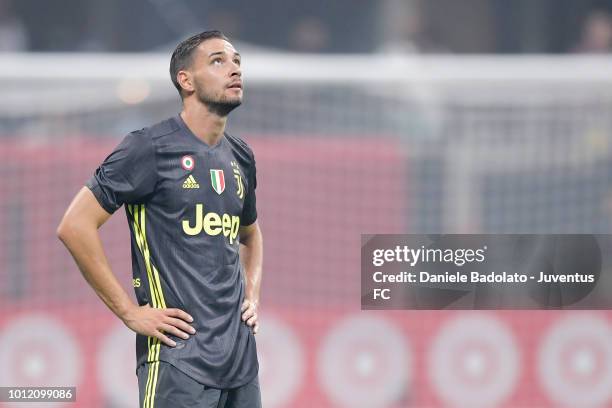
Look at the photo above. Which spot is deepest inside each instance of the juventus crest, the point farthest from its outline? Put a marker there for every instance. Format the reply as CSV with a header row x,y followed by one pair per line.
x,y
238,178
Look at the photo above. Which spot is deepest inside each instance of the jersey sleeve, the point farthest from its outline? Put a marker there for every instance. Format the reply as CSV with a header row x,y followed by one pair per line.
x,y
127,175
249,210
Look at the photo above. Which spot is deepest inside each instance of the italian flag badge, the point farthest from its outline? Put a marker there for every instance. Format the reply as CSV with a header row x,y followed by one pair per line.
x,y
217,180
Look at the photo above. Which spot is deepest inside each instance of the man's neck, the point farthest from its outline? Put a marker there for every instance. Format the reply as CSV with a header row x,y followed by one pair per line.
x,y
207,126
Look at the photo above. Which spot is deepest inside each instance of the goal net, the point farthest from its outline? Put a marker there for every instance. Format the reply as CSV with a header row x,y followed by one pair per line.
x,y
345,145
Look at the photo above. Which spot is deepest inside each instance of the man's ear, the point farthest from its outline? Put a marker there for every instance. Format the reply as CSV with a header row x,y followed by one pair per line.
x,y
185,80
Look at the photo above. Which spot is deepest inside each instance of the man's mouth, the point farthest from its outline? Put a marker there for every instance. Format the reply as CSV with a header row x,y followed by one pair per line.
x,y
235,85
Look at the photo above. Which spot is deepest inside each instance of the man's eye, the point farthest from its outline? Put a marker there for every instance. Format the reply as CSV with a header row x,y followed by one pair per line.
x,y
217,61
237,62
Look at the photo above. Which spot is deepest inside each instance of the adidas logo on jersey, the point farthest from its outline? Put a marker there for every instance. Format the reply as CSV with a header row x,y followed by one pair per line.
x,y
190,182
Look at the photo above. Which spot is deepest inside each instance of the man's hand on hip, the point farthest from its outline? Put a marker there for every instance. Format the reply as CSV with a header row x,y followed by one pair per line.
x,y
249,314
154,322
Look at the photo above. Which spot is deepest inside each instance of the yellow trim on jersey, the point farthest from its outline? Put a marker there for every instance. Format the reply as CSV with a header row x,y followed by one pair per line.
x,y
157,298
149,399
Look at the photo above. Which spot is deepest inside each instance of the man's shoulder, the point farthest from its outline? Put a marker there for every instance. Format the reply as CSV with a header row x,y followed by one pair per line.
x,y
240,146
160,129
152,137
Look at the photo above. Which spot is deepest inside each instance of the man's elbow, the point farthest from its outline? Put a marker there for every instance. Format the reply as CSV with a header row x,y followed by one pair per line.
x,y
68,229
64,230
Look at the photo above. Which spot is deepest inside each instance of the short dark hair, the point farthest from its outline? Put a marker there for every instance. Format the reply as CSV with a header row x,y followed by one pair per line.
x,y
181,57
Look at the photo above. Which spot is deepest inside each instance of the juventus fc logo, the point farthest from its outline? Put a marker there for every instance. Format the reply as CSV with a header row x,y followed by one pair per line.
x,y
238,178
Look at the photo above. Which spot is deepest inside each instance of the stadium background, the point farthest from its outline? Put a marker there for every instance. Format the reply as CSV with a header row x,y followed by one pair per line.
x,y
365,117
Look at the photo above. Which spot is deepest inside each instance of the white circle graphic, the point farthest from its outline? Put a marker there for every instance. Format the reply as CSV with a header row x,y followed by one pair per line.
x,y
116,367
187,162
575,361
39,351
364,362
474,362
281,362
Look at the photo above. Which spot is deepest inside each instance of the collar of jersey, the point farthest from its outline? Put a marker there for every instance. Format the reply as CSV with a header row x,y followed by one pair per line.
x,y
185,128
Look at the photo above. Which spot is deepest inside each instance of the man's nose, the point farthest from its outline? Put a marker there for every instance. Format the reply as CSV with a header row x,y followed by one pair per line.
x,y
236,71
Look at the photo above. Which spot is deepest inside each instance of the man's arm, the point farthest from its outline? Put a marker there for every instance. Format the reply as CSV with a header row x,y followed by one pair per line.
x,y
251,256
78,230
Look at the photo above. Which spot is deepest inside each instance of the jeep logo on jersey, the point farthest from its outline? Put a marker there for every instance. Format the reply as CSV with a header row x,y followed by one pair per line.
x,y
217,180
212,224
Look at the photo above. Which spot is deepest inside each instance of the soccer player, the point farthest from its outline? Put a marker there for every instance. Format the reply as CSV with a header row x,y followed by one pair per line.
x,y
188,189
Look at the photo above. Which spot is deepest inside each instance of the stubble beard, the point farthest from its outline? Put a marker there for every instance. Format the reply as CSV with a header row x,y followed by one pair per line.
x,y
221,106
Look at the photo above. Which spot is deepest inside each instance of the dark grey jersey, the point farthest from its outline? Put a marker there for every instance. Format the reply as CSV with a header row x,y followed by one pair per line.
x,y
185,202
